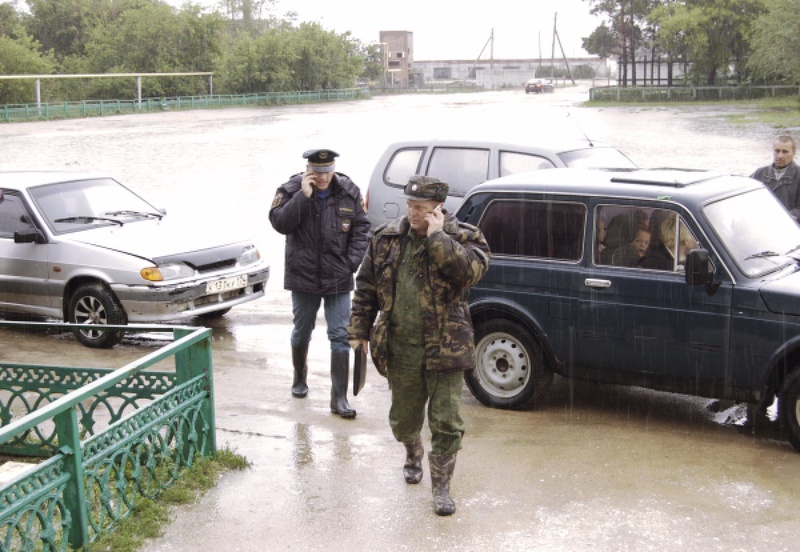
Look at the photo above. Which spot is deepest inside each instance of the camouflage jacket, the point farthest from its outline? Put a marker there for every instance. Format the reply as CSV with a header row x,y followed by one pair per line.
x,y
455,259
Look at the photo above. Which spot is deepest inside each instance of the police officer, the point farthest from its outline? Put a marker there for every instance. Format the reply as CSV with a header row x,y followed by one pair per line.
x,y
414,280
322,215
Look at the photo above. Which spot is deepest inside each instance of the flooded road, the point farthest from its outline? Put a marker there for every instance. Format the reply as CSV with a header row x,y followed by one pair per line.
x,y
597,468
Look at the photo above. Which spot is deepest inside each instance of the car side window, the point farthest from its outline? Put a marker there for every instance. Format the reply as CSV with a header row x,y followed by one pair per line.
x,y
544,229
404,163
639,237
461,168
512,162
14,216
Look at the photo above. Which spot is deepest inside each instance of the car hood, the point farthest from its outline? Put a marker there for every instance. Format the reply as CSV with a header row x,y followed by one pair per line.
x,y
153,239
783,296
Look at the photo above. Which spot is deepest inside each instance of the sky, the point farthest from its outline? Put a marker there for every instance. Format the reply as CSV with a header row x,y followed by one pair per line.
x,y
448,29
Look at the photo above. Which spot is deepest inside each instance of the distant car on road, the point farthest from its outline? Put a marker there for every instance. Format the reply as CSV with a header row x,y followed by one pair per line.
x,y
537,86
711,309
85,249
464,164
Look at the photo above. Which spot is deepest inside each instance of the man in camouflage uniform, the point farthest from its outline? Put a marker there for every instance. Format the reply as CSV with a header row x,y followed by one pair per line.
x,y
415,280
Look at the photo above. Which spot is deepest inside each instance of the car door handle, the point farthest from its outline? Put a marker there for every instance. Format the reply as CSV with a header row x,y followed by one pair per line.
x,y
596,283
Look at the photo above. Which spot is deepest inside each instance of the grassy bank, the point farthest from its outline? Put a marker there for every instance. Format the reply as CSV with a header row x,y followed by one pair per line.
x,y
780,113
149,517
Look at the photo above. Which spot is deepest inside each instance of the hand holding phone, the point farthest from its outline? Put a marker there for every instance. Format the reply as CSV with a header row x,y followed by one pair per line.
x,y
308,184
435,219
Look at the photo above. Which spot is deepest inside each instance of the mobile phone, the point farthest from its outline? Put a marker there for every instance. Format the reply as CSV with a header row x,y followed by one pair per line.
x,y
438,208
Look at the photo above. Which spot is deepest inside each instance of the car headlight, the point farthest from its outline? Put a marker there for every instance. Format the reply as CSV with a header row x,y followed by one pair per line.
x,y
249,256
171,271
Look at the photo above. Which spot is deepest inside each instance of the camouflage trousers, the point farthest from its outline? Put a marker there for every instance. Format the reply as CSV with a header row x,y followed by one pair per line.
x,y
413,387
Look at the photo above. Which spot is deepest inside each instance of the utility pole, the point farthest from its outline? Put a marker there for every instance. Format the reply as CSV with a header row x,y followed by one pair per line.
x,y
491,61
553,48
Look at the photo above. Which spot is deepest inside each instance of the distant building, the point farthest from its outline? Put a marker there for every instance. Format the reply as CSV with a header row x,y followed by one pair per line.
x,y
398,57
402,71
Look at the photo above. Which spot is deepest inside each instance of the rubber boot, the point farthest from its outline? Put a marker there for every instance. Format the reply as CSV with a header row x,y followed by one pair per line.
x,y
442,467
299,386
340,372
412,469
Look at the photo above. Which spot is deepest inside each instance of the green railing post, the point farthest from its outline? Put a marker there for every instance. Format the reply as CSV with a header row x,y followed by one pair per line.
x,y
190,363
69,441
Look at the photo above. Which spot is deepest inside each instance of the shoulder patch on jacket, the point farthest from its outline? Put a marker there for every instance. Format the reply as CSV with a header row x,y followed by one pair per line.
x,y
278,200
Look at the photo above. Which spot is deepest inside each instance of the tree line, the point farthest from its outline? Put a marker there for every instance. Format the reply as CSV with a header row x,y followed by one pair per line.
x,y
247,47
250,49
748,41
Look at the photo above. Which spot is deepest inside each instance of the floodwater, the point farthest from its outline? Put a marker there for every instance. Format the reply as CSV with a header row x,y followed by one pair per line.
x,y
598,467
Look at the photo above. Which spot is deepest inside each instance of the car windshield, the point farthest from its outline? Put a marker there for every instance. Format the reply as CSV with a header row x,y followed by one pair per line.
x,y
596,158
82,204
756,230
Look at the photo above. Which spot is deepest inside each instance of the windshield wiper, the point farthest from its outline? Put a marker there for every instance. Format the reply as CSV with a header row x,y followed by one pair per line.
x,y
87,219
159,216
763,255
792,250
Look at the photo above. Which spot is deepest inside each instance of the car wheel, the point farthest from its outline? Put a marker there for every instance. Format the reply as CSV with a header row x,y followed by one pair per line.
x,y
95,304
789,408
510,370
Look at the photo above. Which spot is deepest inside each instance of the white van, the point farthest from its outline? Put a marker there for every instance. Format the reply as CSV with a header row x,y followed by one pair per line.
x,y
465,164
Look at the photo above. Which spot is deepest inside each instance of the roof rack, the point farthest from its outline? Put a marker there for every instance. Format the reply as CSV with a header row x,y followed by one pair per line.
x,y
667,176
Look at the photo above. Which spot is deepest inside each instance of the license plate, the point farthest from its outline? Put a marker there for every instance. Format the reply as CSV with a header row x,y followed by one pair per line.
x,y
227,284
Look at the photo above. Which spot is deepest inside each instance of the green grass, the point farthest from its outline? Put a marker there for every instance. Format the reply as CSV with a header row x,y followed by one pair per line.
x,y
149,517
780,113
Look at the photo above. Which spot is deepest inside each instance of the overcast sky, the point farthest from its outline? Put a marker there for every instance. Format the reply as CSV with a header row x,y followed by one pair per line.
x,y
450,29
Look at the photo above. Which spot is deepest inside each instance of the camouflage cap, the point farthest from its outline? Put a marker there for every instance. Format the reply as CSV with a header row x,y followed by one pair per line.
x,y
424,188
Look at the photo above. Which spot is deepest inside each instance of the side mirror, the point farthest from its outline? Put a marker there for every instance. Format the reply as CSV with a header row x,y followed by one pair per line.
x,y
699,271
29,236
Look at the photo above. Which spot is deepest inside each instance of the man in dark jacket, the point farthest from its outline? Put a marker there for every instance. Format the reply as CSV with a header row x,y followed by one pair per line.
x,y
322,215
415,281
783,175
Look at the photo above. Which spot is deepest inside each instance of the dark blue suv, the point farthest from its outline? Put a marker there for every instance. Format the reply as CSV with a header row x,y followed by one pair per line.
x,y
682,281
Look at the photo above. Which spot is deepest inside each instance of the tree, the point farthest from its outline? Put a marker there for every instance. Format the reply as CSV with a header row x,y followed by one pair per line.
x,y
259,64
324,59
20,56
603,42
625,16
774,37
714,34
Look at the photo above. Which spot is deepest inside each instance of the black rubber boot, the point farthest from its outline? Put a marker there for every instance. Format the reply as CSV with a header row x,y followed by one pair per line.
x,y
442,467
340,372
299,386
412,469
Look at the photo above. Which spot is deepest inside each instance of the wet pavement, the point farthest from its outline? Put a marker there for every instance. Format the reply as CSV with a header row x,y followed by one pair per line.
x,y
598,467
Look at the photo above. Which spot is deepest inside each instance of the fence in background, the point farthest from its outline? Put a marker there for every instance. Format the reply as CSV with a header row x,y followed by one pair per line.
x,y
689,93
96,108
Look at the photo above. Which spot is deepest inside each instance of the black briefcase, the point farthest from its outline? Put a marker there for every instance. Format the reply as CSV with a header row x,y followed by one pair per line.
x,y
359,369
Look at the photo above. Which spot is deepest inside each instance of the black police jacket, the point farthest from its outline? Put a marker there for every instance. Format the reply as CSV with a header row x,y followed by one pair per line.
x,y
325,240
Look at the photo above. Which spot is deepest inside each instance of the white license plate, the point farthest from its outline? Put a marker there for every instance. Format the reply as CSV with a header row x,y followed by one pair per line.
x,y
227,284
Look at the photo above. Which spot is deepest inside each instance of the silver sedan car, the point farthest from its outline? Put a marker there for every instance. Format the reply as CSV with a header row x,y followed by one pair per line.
x,y
85,249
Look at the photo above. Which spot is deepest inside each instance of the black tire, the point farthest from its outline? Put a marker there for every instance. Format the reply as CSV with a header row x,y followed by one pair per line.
x,y
789,408
95,304
510,370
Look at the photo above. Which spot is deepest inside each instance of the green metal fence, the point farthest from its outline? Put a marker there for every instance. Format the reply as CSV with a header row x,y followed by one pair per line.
x,y
94,108
103,437
689,93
